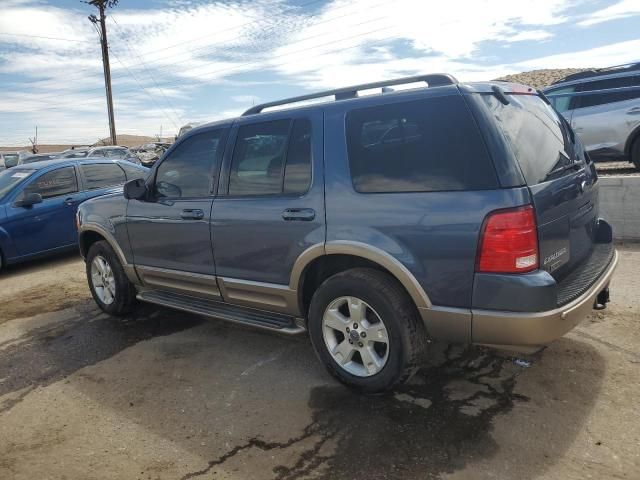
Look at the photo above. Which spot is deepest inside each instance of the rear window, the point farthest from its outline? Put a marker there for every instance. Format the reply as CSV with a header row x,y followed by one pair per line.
x,y
538,138
419,146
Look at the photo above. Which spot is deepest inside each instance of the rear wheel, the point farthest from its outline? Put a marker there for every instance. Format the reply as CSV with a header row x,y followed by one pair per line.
x,y
109,285
635,153
366,330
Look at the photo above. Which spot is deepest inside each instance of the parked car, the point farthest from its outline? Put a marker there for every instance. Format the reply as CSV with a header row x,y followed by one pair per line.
x,y
603,107
37,157
187,128
75,152
11,159
460,212
121,153
38,202
150,153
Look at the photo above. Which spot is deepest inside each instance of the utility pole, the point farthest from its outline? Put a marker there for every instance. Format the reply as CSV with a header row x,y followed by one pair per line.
x,y
102,5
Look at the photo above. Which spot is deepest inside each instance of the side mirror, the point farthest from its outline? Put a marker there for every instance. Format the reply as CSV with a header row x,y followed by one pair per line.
x,y
135,189
29,200
10,162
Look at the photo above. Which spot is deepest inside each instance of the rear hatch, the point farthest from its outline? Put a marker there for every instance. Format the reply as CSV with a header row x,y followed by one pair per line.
x,y
563,184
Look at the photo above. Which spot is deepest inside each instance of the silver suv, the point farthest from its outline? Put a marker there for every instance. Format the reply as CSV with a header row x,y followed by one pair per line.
x,y
603,107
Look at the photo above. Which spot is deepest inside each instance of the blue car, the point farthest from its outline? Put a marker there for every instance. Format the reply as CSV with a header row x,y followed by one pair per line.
x,y
38,202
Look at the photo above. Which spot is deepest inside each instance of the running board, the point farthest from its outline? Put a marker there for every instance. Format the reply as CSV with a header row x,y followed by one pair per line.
x,y
246,316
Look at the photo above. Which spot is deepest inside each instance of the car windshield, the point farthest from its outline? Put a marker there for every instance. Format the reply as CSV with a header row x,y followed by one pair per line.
x,y
10,178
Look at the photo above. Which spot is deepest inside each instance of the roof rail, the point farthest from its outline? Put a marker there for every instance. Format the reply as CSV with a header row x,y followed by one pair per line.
x,y
598,72
432,80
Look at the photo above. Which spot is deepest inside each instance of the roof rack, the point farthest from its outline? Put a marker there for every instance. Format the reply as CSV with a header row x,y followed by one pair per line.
x,y
598,72
432,80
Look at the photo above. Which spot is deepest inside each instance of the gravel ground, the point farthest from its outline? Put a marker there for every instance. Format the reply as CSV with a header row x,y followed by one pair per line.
x,y
166,395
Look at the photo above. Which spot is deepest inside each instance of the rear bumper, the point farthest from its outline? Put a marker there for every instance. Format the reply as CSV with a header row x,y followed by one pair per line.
x,y
529,331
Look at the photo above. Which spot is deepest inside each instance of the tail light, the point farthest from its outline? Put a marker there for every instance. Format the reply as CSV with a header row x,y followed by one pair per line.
x,y
509,242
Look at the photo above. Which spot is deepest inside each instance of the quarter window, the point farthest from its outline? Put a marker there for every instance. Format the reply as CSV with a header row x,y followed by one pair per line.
x,y
562,104
187,172
419,146
53,184
272,158
102,175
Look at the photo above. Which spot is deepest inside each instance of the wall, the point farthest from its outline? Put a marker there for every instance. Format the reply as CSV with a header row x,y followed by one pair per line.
x,y
620,205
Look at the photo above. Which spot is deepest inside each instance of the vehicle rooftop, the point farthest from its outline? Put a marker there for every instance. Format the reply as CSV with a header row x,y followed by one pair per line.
x,y
435,80
597,74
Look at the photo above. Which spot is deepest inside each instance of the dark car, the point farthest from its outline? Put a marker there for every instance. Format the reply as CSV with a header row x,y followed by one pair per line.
x,y
458,212
38,157
115,153
38,202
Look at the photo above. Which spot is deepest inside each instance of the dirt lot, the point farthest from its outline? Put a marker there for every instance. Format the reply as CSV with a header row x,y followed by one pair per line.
x,y
167,395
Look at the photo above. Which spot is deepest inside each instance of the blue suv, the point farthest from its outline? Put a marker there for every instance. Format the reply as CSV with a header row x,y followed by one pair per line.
x,y
458,212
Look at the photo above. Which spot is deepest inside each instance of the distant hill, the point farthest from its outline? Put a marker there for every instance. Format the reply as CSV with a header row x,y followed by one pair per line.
x,y
535,78
541,78
125,140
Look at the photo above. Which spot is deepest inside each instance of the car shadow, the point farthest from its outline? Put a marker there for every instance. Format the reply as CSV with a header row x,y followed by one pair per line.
x,y
260,405
38,264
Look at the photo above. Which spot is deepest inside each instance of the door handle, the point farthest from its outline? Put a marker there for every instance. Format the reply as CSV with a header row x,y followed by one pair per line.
x,y
633,111
299,214
192,214
69,201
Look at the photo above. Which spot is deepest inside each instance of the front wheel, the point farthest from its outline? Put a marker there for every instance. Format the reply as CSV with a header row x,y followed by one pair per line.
x,y
109,285
366,330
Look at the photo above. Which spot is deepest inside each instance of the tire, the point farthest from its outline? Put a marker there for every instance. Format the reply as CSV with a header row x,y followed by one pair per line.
x,y
117,295
635,153
385,300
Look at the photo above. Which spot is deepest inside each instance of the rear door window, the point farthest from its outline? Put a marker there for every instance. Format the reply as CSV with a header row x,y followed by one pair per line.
x,y
537,136
419,146
102,175
272,158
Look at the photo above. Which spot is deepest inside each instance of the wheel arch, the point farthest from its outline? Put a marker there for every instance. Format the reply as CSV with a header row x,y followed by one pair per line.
x,y
633,137
92,233
321,261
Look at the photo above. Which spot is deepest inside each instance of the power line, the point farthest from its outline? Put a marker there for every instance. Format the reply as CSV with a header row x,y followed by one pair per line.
x,y
75,74
131,49
225,50
164,49
234,67
342,49
46,38
145,91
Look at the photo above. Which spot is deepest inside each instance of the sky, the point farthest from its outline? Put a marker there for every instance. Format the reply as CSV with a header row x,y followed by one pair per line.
x,y
180,61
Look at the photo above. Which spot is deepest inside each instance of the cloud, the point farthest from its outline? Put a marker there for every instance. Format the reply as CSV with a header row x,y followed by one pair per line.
x,y
622,9
613,54
187,60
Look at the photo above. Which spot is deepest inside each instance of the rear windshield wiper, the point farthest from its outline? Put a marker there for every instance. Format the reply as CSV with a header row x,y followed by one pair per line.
x,y
564,168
